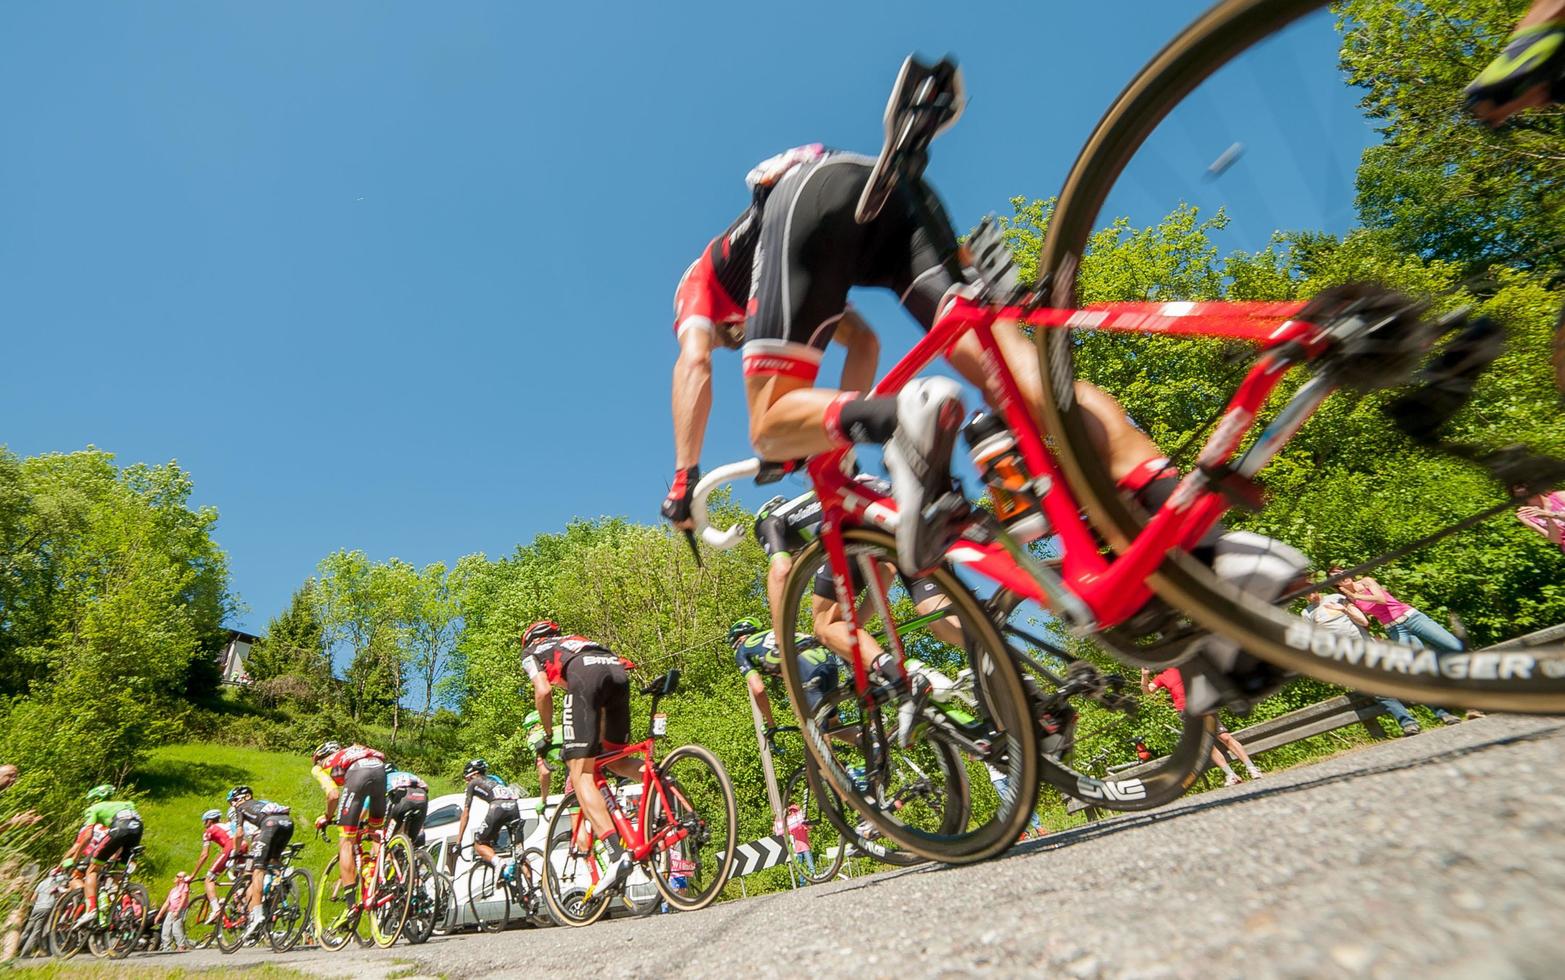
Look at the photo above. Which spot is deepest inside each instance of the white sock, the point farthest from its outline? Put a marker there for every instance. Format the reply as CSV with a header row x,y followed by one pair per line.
x,y
1251,768
1227,771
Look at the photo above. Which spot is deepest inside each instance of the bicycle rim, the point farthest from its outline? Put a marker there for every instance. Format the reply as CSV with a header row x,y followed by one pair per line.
x,y
421,911
697,798
289,909
231,920
569,876
1530,679
921,795
393,891
334,927
127,921
825,847
66,941
198,931
487,897
1113,747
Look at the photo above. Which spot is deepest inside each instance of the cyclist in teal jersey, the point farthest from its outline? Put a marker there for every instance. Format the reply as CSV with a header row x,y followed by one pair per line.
x,y
123,836
758,658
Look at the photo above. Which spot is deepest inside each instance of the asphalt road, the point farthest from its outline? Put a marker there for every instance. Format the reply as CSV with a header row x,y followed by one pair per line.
x,y
1439,855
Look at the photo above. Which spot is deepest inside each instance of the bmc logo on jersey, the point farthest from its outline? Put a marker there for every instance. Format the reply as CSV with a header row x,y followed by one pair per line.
x,y
1117,790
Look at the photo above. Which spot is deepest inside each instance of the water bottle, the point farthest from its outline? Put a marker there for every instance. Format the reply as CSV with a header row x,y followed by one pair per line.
x,y
994,452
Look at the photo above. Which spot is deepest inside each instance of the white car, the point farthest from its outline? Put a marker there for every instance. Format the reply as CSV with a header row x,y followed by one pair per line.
x,y
445,815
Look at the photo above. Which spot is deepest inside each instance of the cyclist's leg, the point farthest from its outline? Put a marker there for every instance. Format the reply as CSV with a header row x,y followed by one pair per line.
x,y
350,819
581,749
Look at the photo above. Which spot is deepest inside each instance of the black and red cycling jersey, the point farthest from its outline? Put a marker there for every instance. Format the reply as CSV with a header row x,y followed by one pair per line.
x,y
714,290
338,763
554,656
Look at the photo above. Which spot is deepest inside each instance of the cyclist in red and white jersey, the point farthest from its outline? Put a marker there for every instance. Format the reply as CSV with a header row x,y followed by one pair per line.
x,y
709,312
354,780
213,834
596,719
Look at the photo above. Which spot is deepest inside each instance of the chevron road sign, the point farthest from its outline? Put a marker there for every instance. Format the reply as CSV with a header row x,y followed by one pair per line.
x,y
758,855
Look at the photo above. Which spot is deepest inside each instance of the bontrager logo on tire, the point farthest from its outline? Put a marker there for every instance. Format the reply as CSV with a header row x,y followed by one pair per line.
x,y
1500,665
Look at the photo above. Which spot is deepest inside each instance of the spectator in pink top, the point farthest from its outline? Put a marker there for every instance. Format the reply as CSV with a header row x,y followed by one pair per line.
x,y
1403,623
1544,513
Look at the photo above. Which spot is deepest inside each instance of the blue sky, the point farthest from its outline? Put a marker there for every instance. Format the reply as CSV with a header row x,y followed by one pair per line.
x,y
399,277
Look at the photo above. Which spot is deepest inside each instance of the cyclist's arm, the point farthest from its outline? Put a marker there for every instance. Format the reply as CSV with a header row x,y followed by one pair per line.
x,y
757,686
1147,684
206,848
333,791
692,395
863,355
543,699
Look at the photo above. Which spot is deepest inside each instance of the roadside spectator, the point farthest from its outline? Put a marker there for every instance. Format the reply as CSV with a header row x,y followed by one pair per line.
x,y
172,915
1334,612
1002,787
1171,681
47,891
799,834
1402,622
1544,513
8,774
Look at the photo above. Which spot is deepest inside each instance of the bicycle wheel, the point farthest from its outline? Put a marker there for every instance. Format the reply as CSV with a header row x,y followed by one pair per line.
x,y
198,931
127,921
904,762
423,912
288,909
233,919
65,940
337,923
1104,741
488,897
1427,519
393,891
693,803
825,847
569,876
529,888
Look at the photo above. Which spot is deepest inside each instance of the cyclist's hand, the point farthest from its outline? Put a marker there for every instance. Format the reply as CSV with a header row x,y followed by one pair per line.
x,y
321,823
540,806
771,737
676,506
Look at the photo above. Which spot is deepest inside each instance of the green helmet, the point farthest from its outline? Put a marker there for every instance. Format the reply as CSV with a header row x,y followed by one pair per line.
x,y
744,627
533,720
100,792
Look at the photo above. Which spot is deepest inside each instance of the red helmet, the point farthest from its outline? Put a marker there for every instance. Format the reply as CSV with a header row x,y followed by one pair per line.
x,y
540,630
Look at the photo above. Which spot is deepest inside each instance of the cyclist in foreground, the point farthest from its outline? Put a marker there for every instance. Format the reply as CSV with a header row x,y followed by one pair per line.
x,y
1529,72
261,828
502,812
123,835
354,781
596,719
213,833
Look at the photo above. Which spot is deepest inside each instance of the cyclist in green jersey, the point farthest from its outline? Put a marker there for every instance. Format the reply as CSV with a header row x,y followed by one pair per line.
x,y
545,744
122,837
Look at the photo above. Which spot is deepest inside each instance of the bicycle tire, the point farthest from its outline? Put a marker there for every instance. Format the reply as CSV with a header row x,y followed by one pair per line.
x,y
292,897
532,901
702,828
812,804
423,910
1531,680
1149,784
64,939
1002,712
198,932
876,848
232,918
393,890
483,885
564,890
330,906
445,904
128,920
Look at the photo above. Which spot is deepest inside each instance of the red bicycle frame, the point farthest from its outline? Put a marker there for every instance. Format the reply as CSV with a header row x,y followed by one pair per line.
x,y
1091,592
640,847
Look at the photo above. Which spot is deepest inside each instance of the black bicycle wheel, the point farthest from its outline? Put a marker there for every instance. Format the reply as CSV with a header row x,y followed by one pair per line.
x,y
570,876
233,919
65,940
1103,740
127,920
1399,494
530,870
488,897
817,847
288,908
894,756
693,800
446,917
864,839
423,910
198,931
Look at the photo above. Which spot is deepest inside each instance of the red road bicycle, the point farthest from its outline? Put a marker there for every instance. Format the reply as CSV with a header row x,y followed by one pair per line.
x,y
1122,575
681,830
